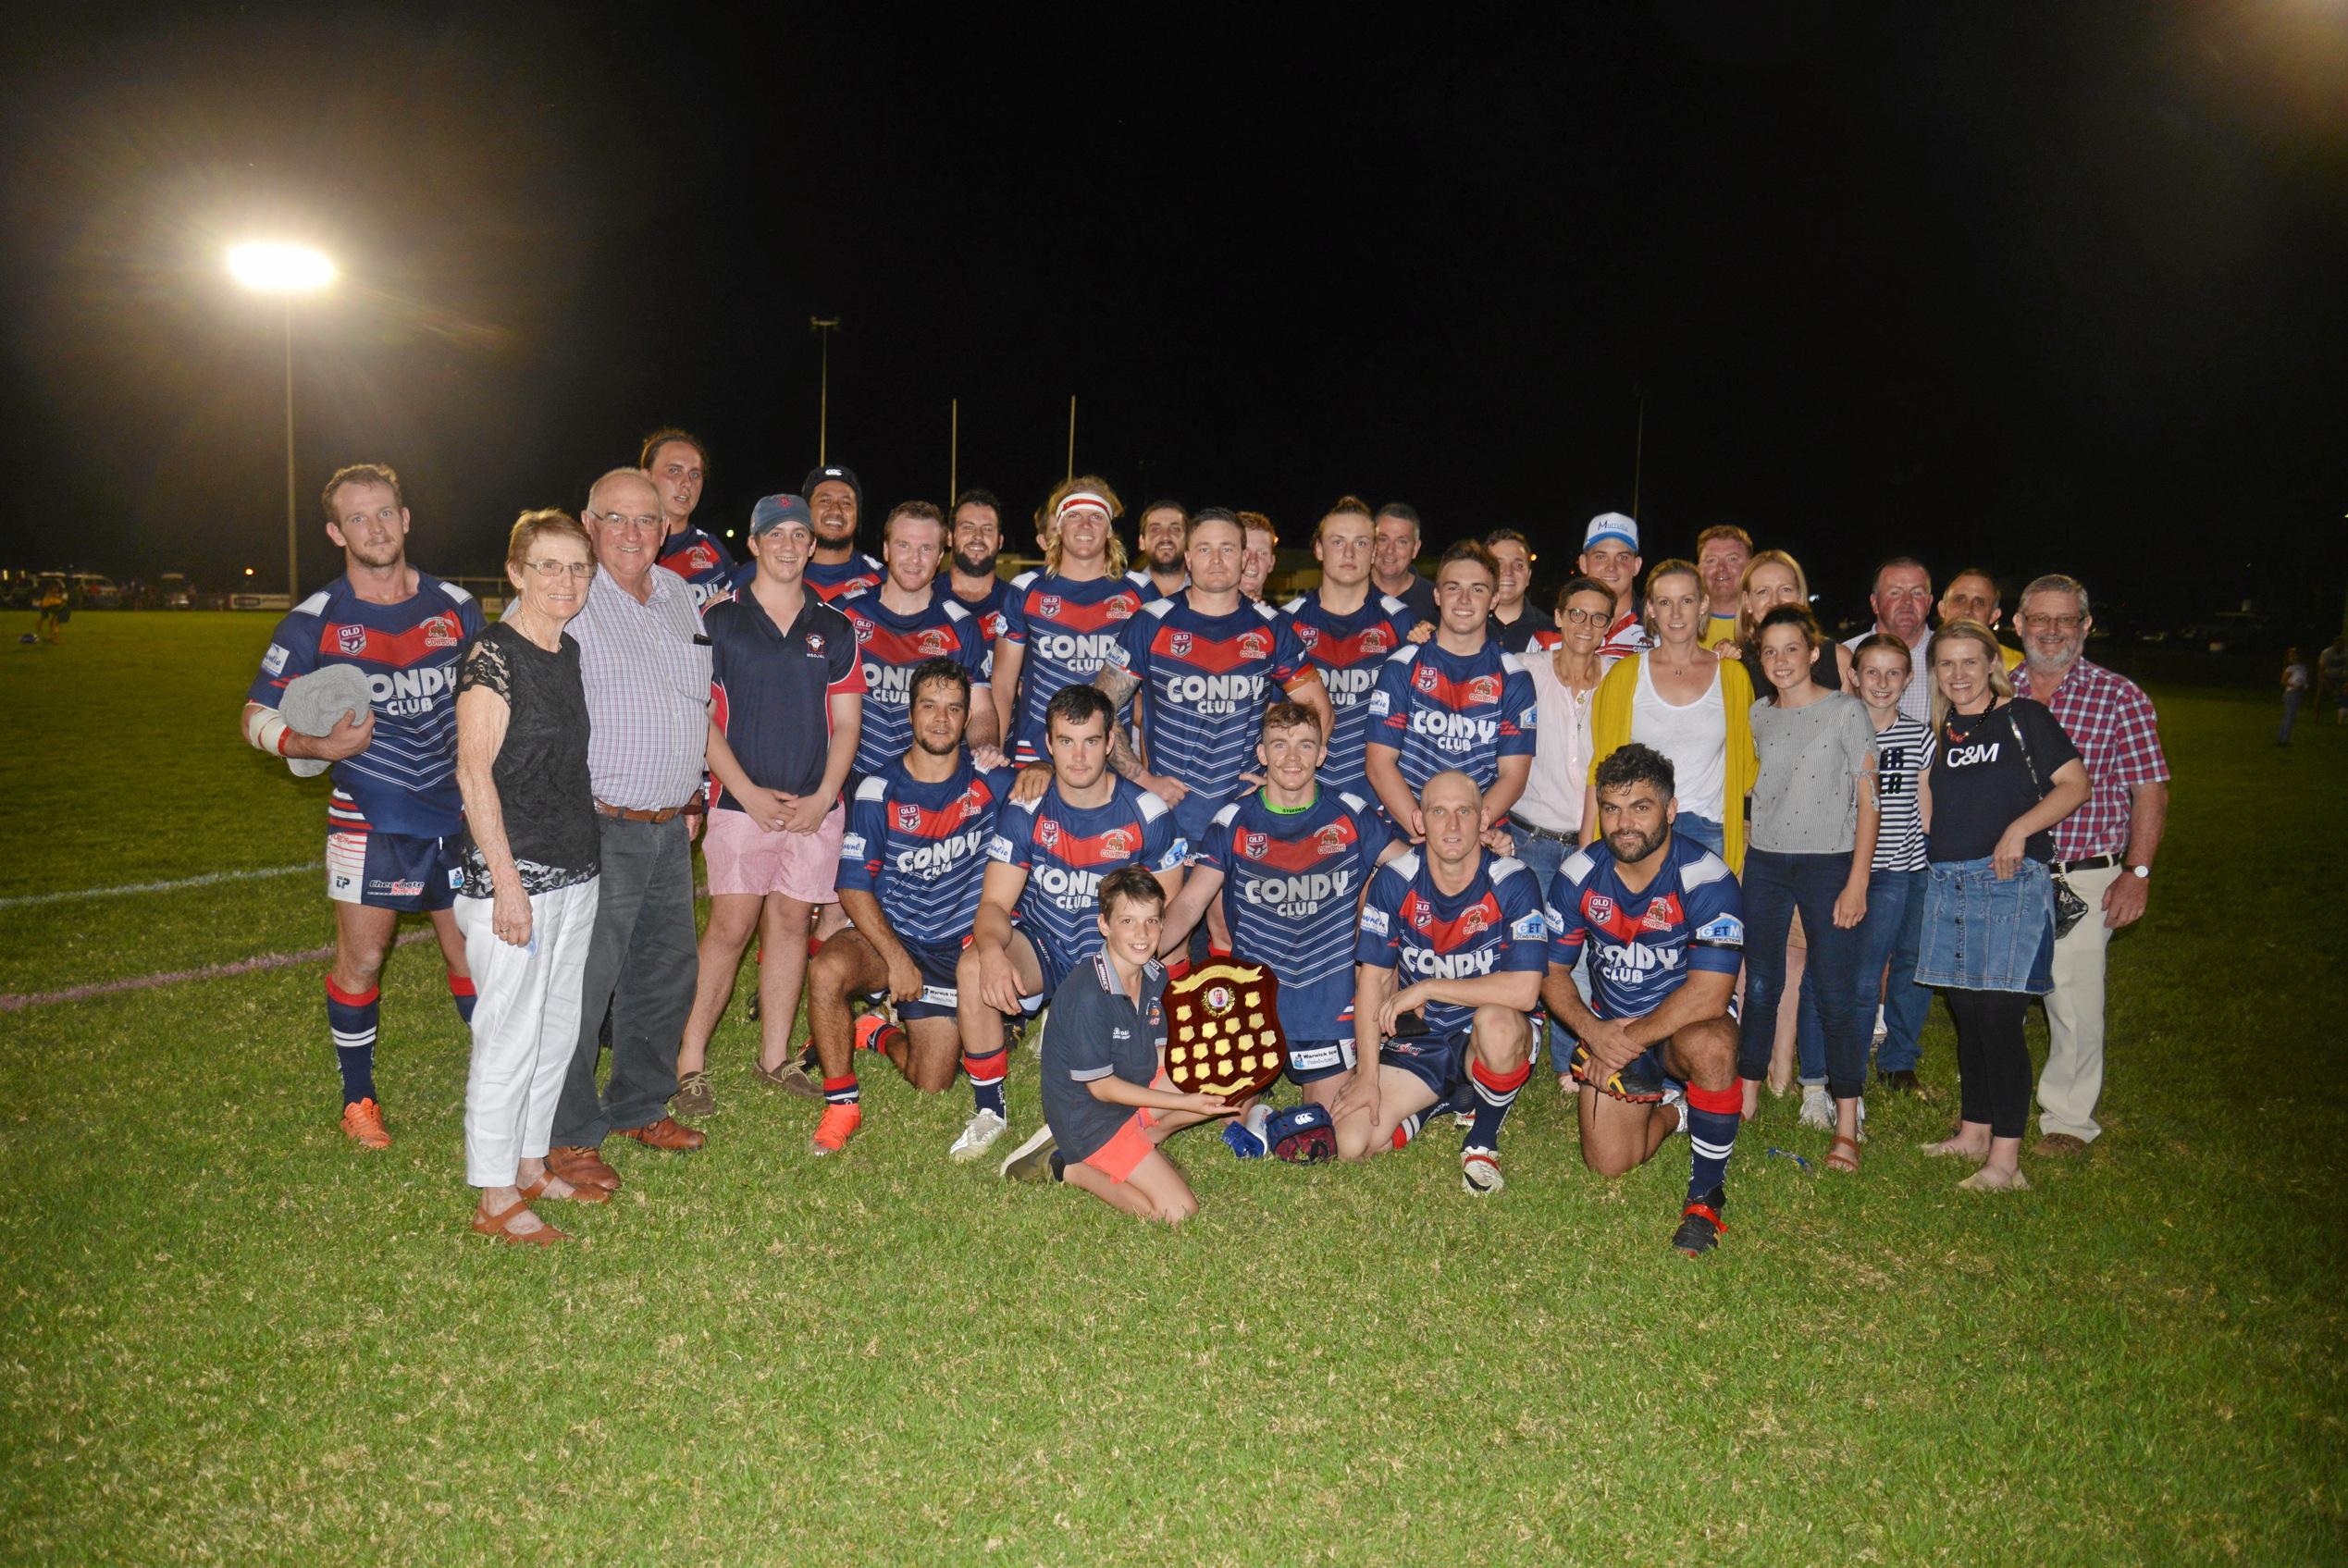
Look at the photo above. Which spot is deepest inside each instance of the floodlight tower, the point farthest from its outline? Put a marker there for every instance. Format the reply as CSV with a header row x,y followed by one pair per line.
x,y
289,272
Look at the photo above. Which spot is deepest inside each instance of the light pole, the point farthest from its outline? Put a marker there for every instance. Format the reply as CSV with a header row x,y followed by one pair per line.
x,y
823,327
287,271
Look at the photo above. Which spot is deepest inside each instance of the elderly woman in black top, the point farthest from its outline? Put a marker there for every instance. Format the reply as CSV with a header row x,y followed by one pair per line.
x,y
527,903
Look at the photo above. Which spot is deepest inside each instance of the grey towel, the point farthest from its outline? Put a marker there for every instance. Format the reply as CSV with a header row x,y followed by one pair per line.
x,y
315,703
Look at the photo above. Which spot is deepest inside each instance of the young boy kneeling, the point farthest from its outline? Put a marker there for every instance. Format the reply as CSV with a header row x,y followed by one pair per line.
x,y
1105,1107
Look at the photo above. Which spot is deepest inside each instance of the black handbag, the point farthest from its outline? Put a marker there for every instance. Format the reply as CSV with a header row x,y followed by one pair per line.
x,y
2069,908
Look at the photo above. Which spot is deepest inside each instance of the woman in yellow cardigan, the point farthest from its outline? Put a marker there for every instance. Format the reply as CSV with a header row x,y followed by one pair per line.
x,y
1690,706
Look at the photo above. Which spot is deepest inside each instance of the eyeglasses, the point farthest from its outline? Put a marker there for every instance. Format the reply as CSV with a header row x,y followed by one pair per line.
x,y
2052,623
557,568
1587,617
620,519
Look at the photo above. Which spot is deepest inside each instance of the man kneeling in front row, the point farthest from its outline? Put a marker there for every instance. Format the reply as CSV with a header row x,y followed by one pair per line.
x,y
1662,921
1463,929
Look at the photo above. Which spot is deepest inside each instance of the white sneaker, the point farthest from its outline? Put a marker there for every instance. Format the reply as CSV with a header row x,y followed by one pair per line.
x,y
1818,1108
1479,1170
1880,1027
978,1137
1679,1099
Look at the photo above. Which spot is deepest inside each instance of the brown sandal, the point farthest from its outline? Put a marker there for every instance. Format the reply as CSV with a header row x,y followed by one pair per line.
x,y
580,1192
1842,1154
495,1225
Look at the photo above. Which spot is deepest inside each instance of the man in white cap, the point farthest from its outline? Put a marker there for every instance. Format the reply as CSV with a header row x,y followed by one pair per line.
x,y
1609,553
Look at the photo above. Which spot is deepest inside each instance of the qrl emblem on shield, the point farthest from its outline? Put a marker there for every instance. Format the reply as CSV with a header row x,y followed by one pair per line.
x,y
350,640
1257,843
1049,606
909,816
1425,679
1601,908
864,631
1421,916
1179,644
1048,832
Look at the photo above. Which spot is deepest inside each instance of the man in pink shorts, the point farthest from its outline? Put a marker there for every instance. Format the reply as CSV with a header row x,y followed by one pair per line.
x,y
788,703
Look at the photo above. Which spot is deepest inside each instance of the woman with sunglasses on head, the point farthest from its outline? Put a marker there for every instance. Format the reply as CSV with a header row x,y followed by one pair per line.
x,y
530,862
2004,773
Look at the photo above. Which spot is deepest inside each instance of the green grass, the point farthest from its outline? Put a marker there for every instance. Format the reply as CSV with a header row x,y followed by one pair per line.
x,y
229,1337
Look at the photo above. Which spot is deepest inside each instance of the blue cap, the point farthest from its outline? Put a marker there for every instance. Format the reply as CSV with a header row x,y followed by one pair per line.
x,y
772,510
1612,525
845,475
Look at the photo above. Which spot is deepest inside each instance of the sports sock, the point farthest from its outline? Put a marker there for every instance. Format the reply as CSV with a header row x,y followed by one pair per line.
x,y
840,1091
350,1019
461,992
1714,1115
986,1081
1407,1129
1495,1091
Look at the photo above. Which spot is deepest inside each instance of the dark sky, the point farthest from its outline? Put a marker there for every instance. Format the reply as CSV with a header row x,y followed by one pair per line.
x,y
2047,287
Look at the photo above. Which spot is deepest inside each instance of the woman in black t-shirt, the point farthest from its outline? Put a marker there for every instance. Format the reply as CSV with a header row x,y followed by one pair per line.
x,y
530,859
2004,773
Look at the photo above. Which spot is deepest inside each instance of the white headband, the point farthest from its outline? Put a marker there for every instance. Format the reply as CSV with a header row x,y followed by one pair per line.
x,y
1081,501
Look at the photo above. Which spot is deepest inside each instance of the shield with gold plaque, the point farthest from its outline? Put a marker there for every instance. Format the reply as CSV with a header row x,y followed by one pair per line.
x,y
1223,1030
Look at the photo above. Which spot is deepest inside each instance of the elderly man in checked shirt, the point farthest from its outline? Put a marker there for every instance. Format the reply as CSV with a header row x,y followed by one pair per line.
x,y
646,664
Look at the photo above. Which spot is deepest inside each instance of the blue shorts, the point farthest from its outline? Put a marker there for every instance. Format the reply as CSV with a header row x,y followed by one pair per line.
x,y
1440,1061
939,999
390,871
1309,1061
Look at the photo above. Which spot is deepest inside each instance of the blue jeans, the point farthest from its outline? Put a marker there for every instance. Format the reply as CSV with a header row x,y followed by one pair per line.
x,y
1775,885
1541,857
1704,830
1891,933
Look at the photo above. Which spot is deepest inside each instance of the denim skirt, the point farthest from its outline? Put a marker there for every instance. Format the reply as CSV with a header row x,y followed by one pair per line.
x,y
1983,934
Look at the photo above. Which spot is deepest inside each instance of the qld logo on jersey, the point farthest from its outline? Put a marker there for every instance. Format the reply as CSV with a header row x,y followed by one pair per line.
x,y
1179,644
350,640
1253,845
909,816
1425,678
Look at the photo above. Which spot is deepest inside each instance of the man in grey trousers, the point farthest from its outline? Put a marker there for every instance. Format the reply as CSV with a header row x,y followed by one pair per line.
x,y
646,665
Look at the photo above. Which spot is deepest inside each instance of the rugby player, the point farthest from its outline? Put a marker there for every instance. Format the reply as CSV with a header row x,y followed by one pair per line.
x,y
903,623
1290,862
837,501
394,821
1059,624
1049,855
1263,549
1662,921
679,465
1462,932
1349,631
1164,539
977,540
1458,701
1205,663
910,868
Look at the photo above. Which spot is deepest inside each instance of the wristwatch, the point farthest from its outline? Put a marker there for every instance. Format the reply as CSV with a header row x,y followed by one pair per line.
x,y
2142,873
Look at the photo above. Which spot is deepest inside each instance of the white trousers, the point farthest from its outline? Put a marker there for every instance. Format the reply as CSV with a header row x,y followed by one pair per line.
x,y
2073,1079
526,1024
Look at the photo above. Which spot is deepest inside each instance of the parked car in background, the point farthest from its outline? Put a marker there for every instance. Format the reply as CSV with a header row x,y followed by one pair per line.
x,y
93,590
173,592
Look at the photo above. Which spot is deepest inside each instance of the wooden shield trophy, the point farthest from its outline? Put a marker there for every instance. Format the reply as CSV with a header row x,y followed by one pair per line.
x,y
1223,1030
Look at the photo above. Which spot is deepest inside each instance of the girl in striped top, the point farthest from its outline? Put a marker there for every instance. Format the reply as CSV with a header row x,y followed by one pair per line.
x,y
1893,929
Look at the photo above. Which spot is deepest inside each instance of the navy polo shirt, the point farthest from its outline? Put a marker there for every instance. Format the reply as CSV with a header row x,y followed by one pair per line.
x,y
1095,1033
772,687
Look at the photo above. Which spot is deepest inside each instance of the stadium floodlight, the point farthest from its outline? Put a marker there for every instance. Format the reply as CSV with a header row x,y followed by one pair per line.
x,y
288,271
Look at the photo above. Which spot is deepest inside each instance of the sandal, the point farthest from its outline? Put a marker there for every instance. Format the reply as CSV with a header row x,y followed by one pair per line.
x,y
580,1192
496,1226
1842,1154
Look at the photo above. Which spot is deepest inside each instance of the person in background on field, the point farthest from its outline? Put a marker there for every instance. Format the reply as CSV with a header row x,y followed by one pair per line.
x,y
2104,851
1890,935
1164,535
1609,553
2332,679
679,464
1260,551
1722,552
394,817
1971,595
2294,692
2003,773
976,540
645,665
786,674
55,607
527,906
1693,708
1514,624
1394,571
1902,601
1813,849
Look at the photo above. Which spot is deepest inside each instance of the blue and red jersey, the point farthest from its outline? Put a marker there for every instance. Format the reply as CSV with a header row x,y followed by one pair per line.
x,y
405,781
1643,945
1348,651
827,580
1443,710
920,848
987,609
891,647
1066,850
1291,883
707,566
1147,586
1493,926
1068,629
772,687
1205,683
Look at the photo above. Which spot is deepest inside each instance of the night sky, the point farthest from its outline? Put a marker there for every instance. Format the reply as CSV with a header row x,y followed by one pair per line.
x,y
2040,287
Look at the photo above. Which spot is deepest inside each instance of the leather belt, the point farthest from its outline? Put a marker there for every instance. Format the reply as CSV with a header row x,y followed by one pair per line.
x,y
629,814
1571,841
2091,863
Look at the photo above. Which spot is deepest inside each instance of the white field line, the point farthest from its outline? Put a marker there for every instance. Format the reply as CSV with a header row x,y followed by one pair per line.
x,y
25,900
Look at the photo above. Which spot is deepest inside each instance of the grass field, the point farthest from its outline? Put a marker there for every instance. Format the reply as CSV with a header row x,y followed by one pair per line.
x,y
230,1337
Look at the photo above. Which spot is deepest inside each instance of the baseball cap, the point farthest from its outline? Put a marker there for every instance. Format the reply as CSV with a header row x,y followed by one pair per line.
x,y
772,510
845,475
1612,525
